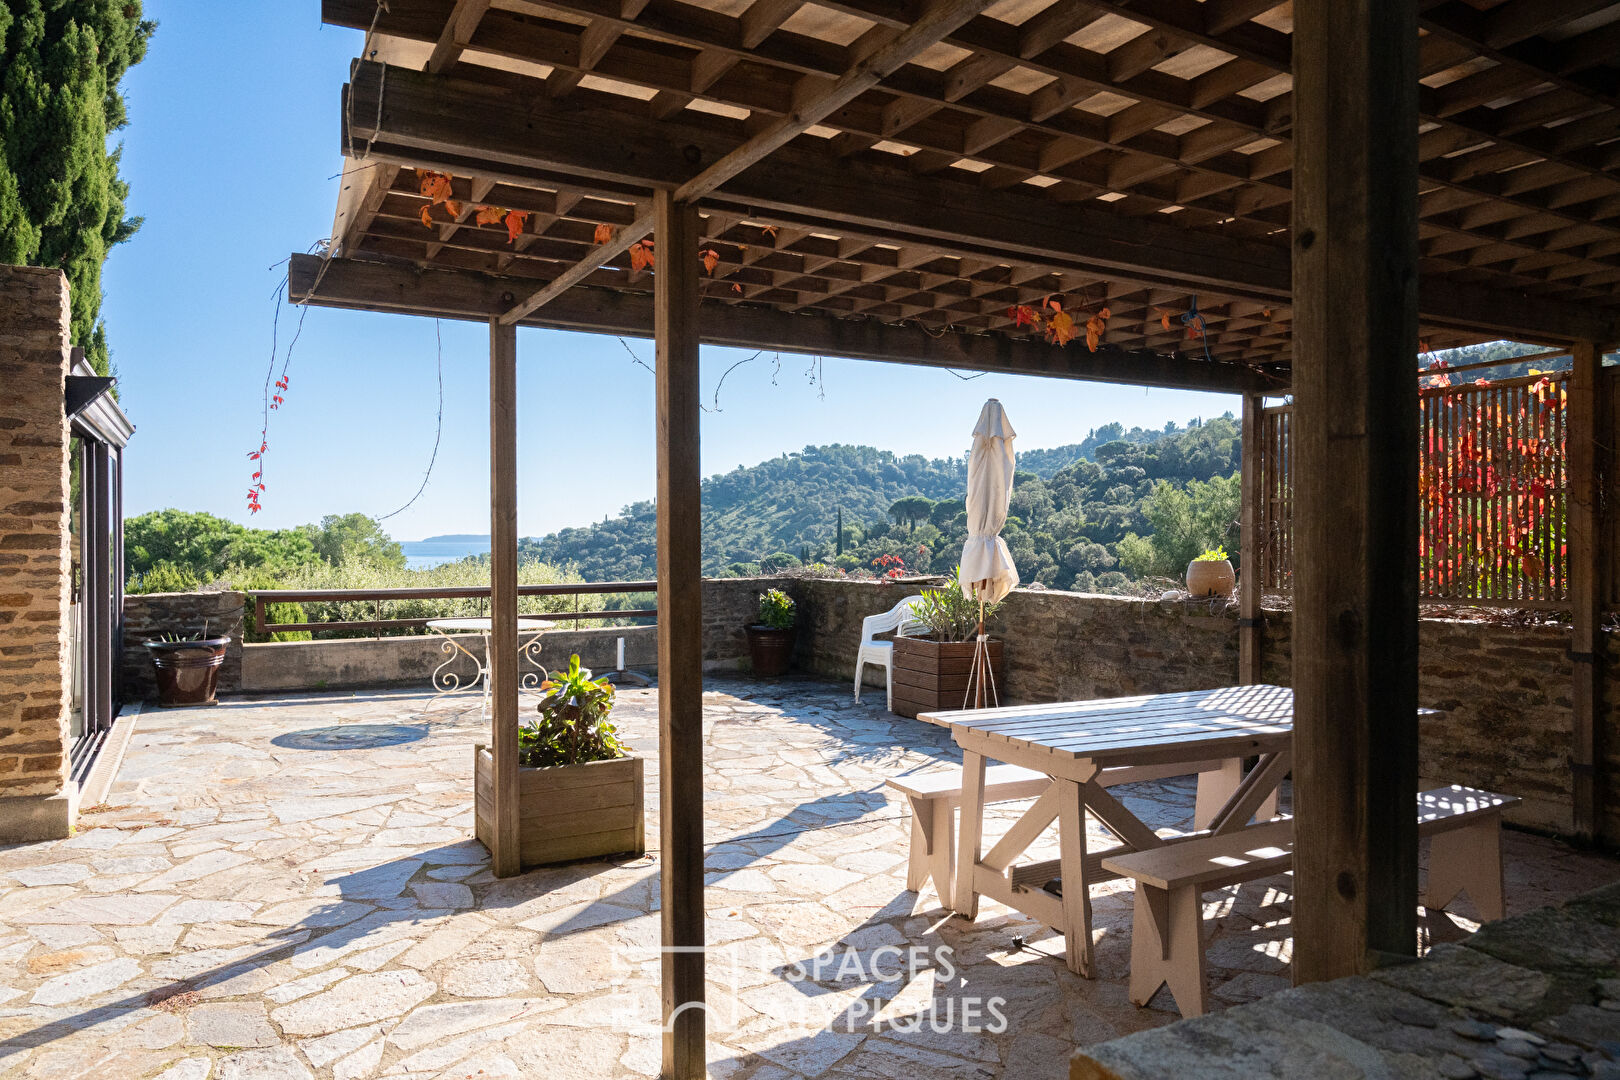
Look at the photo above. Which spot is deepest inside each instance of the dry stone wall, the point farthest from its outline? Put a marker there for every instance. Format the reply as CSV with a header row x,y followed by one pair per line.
x,y
35,561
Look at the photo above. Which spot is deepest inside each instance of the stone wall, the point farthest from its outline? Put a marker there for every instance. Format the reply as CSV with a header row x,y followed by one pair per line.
x,y
37,800
149,616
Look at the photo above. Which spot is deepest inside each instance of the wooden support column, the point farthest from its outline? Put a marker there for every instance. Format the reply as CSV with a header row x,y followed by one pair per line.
x,y
680,636
506,855
1586,413
1356,425
1250,630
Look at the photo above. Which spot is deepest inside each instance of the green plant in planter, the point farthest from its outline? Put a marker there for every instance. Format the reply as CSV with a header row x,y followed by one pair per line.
x,y
776,610
572,727
948,614
1214,554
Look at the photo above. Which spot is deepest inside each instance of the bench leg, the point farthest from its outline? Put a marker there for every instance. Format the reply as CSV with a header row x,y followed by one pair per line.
x,y
1468,860
933,847
1078,949
1167,947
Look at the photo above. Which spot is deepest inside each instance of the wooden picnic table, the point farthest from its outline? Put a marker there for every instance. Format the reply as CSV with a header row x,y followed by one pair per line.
x,y
1072,742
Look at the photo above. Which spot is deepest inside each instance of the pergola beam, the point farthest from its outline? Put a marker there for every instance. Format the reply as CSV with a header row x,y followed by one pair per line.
x,y
490,131
814,101
369,286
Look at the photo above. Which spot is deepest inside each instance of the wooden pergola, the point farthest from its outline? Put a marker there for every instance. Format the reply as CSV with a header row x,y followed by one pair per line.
x,y
1326,184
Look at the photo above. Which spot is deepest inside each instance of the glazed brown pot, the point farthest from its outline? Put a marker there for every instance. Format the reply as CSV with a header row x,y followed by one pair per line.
x,y
770,650
1206,577
187,671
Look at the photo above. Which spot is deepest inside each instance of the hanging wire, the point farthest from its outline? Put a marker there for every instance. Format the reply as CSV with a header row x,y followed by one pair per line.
x,y
1191,318
438,431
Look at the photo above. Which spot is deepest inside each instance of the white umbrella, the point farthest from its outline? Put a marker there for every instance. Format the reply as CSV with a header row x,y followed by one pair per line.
x,y
988,573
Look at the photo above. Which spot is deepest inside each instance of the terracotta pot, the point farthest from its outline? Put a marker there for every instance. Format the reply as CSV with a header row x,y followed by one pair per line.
x,y
187,671
770,650
1206,577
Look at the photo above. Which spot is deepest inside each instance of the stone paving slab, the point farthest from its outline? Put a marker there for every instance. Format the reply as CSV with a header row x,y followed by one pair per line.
x,y
288,889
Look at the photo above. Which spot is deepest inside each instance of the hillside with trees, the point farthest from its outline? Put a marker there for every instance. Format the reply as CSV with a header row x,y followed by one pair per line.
x,y
1096,514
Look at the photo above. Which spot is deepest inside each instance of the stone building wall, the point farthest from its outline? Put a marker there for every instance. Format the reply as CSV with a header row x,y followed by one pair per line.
x,y
37,800
149,616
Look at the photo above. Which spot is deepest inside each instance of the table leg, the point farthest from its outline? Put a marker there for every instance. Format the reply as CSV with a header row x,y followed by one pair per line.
x,y
969,835
1076,889
1214,790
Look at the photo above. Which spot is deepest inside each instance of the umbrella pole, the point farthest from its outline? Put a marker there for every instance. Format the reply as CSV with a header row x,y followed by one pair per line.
x,y
980,671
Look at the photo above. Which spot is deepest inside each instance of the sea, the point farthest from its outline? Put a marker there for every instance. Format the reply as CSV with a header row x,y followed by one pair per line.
x,y
422,554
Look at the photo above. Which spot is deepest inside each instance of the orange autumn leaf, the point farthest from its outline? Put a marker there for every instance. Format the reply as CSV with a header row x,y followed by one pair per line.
x,y
1054,303
641,256
1532,566
1164,319
427,216
1023,315
1095,327
1267,313
770,231
515,220
711,259
1060,328
736,287
602,235
435,186
491,215
454,207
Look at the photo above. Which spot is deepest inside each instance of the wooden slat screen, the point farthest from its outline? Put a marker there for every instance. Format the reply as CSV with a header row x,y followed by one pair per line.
x,y
1493,486
1274,517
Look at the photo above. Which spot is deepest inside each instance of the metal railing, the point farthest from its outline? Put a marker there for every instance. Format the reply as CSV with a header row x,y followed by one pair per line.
x,y
265,597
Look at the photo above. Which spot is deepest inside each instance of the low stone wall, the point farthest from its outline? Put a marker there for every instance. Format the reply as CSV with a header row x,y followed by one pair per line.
x,y
352,663
1503,691
149,616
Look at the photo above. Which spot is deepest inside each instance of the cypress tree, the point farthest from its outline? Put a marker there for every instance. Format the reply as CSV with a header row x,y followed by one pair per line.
x,y
61,198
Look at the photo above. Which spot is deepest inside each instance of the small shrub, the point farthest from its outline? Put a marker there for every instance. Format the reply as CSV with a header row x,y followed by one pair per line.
x,y
948,614
1214,554
776,609
572,727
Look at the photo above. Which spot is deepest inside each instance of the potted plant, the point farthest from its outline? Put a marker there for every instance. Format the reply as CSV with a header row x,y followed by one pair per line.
x,y
1211,574
187,667
770,641
931,670
580,790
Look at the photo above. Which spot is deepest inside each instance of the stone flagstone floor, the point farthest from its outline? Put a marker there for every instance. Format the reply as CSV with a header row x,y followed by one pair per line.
x,y
287,888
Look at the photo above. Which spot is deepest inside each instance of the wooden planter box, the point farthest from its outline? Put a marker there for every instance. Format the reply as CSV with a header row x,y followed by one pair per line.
x,y
569,811
933,675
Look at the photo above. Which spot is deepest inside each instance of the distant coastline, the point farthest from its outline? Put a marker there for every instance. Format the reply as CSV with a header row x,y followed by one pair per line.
x,y
437,550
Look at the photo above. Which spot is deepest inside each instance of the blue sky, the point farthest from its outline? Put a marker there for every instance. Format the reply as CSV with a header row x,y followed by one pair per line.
x,y
231,154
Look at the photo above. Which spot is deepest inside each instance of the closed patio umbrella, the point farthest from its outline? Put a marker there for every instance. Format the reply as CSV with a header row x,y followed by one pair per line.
x,y
988,573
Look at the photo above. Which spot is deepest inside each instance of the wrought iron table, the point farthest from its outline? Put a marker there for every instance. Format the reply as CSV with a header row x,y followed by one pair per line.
x,y
447,681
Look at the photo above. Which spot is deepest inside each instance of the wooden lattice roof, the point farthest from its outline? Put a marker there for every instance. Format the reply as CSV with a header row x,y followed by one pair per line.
x,y
1133,155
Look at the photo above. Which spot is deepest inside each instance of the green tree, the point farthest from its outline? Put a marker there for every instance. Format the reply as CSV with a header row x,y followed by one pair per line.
x,y
61,198
1186,521
176,546
911,509
346,538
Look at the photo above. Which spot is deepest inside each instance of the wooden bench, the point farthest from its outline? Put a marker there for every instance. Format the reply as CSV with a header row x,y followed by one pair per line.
x,y
1167,945
935,796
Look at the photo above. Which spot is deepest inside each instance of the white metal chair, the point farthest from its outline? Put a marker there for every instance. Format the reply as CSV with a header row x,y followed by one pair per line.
x,y
872,651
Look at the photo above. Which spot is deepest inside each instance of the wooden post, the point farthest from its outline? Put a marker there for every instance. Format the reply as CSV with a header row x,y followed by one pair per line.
x,y
506,854
1586,412
1249,571
1355,565
680,637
